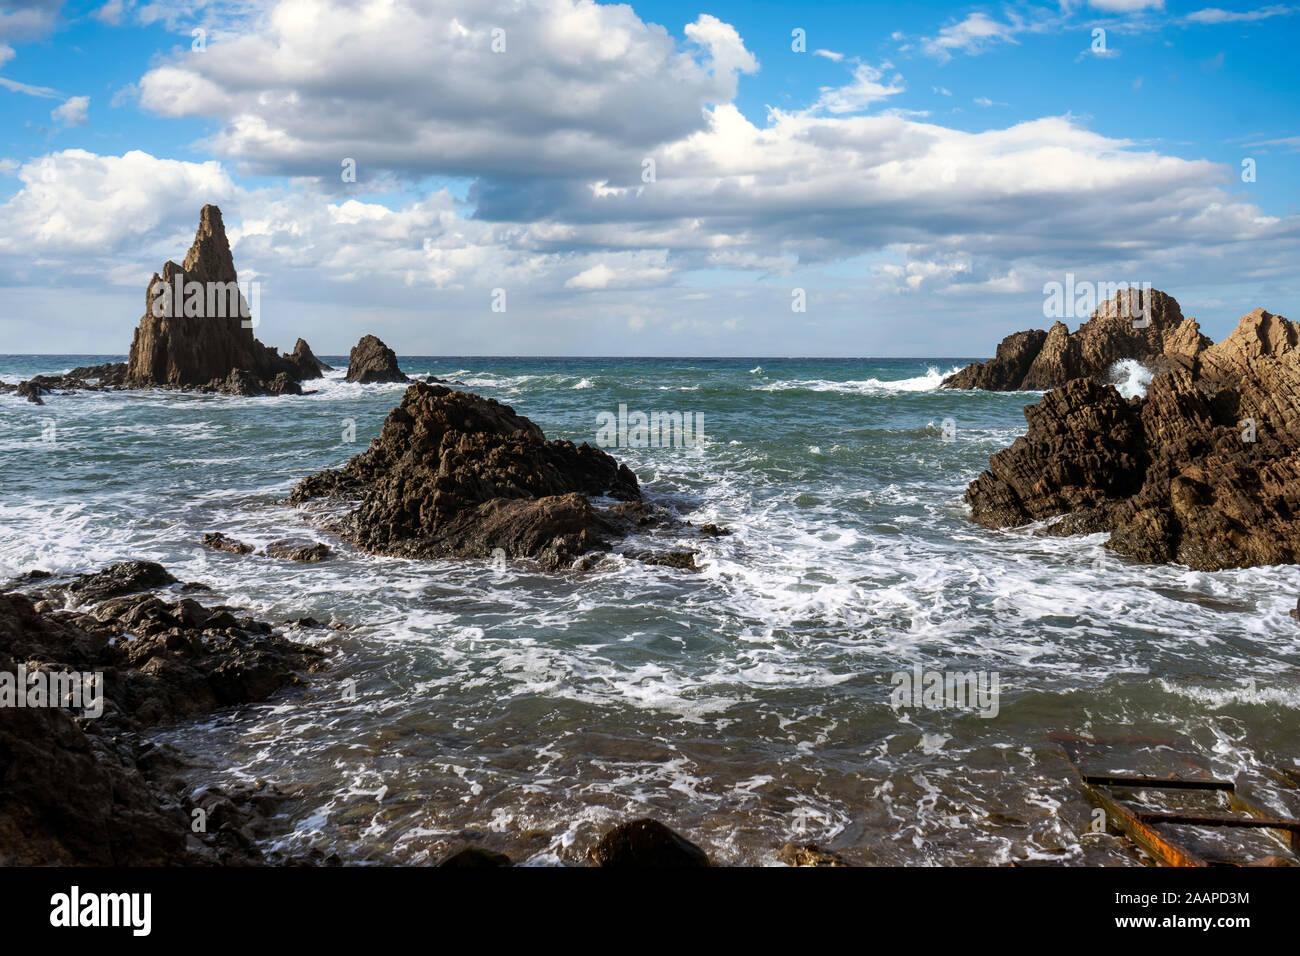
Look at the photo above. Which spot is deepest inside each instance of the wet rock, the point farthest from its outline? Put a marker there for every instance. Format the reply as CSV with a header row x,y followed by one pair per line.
x,y
282,384
1204,470
220,542
127,577
646,843
713,531
453,474
1148,327
307,552
809,854
373,361
682,560
475,857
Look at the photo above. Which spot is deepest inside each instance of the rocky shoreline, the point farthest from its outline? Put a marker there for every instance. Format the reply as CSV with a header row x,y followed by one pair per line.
x,y
80,788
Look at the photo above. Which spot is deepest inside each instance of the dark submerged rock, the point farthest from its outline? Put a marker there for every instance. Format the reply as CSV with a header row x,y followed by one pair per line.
x,y
646,843
475,857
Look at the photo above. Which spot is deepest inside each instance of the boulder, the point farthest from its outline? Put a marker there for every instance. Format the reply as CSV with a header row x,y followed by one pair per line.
x,y
475,857
646,843
372,361
453,474
308,552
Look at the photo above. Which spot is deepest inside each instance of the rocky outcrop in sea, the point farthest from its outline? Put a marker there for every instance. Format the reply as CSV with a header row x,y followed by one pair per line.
x,y
1146,326
1203,470
453,474
197,329
372,361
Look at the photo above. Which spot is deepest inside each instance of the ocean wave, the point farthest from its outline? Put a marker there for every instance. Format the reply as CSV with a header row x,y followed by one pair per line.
x,y
929,382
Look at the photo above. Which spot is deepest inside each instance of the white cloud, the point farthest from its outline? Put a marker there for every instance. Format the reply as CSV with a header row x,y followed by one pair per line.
x,y
1126,6
1211,15
829,54
44,92
579,86
868,87
972,35
72,112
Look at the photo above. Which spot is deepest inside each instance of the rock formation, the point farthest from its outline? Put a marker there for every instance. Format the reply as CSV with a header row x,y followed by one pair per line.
x,y
193,331
372,361
1204,470
453,474
85,789
1148,327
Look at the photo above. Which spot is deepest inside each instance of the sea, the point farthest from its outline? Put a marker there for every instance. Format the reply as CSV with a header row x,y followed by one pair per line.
x,y
774,696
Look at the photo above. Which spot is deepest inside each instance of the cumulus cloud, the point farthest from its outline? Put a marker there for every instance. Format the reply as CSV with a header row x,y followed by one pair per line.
x,y
72,112
578,86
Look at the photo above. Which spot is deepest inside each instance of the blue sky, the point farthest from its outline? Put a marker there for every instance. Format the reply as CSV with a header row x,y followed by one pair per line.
x,y
919,171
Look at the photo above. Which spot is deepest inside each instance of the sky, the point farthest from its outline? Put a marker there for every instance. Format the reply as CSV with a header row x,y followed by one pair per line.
x,y
560,177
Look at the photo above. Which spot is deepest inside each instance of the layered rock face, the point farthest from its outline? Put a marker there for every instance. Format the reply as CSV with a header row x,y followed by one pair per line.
x,y
1204,470
86,789
187,341
372,361
453,474
1148,327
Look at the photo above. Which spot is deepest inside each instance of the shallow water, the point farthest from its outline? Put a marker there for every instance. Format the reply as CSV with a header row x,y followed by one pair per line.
x,y
746,705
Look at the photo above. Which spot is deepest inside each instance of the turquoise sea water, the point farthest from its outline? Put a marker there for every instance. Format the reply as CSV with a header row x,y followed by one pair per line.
x,y
746,705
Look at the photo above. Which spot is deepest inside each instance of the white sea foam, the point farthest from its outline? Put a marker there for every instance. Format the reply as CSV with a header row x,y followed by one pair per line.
x,y
928,382
1131,378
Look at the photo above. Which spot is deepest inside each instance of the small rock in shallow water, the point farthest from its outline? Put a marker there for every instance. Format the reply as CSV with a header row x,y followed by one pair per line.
x,y
475,857
297,551
809,854
219,542
646,843
682,560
